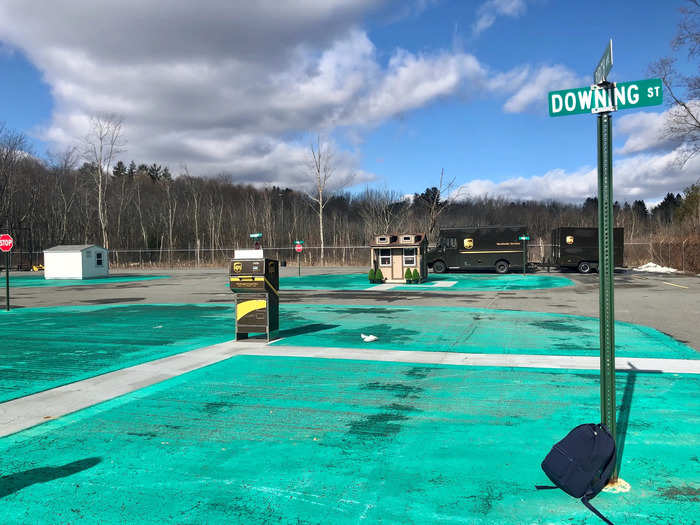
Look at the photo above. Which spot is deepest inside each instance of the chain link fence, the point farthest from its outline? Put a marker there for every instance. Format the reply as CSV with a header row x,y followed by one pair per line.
x,y
683,255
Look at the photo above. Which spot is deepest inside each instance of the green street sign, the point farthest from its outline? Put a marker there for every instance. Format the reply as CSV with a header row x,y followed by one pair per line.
x,y
524,238
298,242
624,95
604,65
255,235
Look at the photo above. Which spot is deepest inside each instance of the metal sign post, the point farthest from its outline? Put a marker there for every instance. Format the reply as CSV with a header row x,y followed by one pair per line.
x,y
299,247
602,98
524,238
6,243
606,271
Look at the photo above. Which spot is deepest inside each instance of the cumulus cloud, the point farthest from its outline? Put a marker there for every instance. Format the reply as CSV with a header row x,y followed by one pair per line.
x,y
490,10
531,87
226,88
643,176
647,131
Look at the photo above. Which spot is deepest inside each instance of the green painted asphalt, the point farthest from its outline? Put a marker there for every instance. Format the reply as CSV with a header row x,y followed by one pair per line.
x,y
471,330
47,347
491,282
359,281
287,440
21,281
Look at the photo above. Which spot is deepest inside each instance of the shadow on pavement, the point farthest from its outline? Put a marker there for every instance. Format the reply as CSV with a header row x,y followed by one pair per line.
x,y
15,482
306,329
623,415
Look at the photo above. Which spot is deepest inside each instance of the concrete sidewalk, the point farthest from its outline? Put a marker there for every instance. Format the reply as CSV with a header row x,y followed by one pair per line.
x,y
26,412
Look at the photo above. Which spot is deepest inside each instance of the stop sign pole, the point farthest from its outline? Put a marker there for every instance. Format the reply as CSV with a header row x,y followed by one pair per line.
x,y
6,243
299,247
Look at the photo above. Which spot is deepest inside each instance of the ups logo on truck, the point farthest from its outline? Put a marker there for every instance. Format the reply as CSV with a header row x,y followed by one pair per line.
x,y
569,239
469,244
237,267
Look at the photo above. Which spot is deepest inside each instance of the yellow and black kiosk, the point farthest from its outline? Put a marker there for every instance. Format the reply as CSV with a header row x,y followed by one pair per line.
x,y
255,281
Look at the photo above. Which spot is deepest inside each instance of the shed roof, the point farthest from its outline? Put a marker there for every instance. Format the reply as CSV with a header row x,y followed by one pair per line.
x,y
70,248
395,243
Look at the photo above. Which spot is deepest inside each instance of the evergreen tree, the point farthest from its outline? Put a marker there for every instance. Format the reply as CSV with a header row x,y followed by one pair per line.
x,y
666,209
119,169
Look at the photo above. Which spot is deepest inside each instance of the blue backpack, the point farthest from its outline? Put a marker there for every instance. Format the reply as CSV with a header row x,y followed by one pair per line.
x,y
581,464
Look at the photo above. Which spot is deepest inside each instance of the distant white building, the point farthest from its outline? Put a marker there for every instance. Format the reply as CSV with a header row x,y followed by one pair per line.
x,y
81,261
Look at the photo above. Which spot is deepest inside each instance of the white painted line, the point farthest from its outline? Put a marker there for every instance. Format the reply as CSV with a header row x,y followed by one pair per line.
x,y
442,284
672,366
381,287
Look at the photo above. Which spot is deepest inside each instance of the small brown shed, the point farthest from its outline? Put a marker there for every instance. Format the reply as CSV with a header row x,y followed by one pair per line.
x,y
393,253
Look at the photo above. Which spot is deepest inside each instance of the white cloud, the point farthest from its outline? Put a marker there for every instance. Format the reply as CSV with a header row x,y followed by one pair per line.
x,y
530,87
226,88
643,176
646,131
492,9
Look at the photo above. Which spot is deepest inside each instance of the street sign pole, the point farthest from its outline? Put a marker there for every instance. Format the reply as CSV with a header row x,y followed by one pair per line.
x,y
7,281
606,271
299,247
524,239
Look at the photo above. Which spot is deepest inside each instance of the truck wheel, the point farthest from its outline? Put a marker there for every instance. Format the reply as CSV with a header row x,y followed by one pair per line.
x,y
502,267
439,267
584,267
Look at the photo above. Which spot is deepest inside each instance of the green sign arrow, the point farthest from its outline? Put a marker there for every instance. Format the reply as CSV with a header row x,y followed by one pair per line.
x,y
625,95
524,238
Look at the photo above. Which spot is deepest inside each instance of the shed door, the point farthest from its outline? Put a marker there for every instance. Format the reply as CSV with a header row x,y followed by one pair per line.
x,y
397,263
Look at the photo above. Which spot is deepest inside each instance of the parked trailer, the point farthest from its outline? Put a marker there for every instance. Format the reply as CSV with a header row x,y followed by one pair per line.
x,y
577,248
478,248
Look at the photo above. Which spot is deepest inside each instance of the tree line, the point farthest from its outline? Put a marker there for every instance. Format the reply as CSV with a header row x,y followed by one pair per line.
x,y
66,199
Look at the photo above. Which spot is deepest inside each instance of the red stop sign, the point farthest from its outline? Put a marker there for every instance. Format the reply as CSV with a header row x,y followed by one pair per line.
x,y
299,248
6,242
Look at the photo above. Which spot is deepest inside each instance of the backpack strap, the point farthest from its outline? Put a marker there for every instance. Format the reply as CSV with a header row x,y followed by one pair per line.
x,y
544,487
595,511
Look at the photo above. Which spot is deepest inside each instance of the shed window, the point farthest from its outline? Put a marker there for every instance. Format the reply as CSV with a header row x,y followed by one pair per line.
x,y
409,256
407,238
384,257
382,240
98,258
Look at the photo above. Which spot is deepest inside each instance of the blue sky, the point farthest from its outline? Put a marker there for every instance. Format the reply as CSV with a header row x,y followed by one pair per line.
x,y
400,90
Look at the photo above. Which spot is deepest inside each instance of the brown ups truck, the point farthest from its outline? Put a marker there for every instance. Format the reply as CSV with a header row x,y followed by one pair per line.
x,y
577,248
480,248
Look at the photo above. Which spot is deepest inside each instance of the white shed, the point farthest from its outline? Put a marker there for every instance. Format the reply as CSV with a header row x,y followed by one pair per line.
x,y
81,261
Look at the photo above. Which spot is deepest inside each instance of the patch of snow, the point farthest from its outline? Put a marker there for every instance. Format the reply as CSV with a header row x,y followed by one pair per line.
x,y
654,268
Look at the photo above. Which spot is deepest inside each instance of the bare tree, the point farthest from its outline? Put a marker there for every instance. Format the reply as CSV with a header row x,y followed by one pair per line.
x,y
13,148
62,166
102,143
381,210
684,117
435,201
321,170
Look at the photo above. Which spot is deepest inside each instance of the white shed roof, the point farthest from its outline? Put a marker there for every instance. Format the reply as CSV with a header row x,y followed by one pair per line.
x,y
70,248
